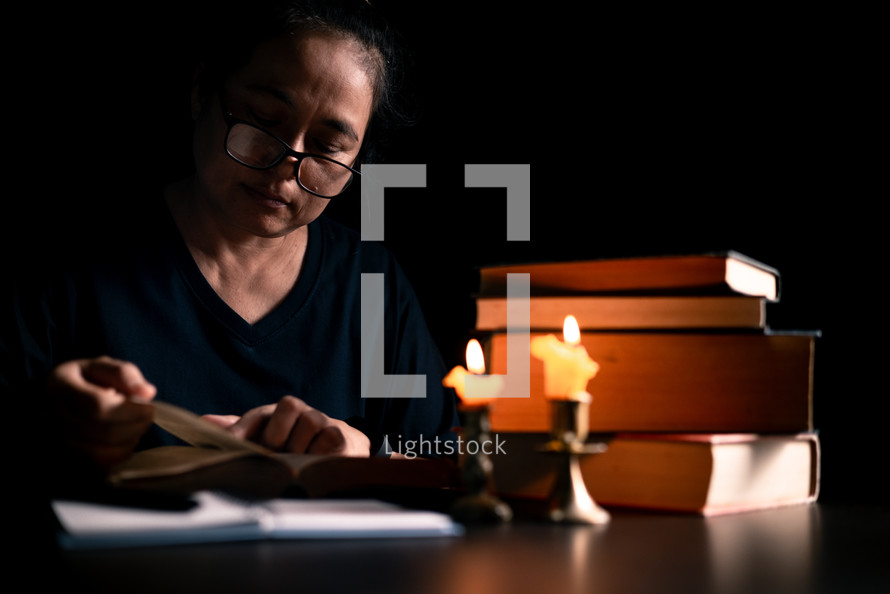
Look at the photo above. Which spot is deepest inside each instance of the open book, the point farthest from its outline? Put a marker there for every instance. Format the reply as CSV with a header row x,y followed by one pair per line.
x,y
216,460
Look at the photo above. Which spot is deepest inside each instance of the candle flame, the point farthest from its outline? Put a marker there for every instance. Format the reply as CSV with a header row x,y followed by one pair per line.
x,y
570,331
475,359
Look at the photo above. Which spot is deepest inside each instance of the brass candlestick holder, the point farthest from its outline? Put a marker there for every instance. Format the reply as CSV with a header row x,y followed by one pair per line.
x,y
478,505
570,501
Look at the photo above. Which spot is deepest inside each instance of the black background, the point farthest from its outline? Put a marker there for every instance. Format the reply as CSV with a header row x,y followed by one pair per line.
x,y
646,132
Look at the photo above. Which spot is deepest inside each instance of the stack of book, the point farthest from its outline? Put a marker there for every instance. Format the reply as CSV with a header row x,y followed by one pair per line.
x,y
708,410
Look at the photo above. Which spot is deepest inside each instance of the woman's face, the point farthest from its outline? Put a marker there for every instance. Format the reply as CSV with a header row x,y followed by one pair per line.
x,y
312,92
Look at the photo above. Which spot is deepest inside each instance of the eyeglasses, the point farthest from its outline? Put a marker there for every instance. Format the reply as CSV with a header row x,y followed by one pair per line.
x,y
258,149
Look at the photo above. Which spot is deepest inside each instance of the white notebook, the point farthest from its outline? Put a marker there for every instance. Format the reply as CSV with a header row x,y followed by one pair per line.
x,y
214,517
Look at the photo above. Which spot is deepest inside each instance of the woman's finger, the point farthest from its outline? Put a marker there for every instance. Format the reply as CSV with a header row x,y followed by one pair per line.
x,y
309,425
251,423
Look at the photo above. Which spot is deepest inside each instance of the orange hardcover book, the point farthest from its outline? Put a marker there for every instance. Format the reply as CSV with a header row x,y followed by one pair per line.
x,y
677,382
608,312
706,474
728,272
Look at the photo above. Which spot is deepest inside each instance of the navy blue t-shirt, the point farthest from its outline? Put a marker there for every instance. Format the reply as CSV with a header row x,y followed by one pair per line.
x,y
150,304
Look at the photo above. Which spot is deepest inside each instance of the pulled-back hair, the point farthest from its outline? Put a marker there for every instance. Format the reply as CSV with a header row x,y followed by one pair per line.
x,y
231,30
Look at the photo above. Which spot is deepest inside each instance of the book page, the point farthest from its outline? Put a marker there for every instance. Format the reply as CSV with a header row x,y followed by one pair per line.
x,y
190,428
345,518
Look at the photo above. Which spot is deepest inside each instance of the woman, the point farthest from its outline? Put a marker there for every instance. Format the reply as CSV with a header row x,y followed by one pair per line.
x,y
243,302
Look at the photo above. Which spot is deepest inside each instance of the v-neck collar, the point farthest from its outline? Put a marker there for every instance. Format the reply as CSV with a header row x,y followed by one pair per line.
x,y
292,304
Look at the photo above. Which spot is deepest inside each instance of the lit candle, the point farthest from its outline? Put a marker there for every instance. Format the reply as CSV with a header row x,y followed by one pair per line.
x,y
567,366
483,387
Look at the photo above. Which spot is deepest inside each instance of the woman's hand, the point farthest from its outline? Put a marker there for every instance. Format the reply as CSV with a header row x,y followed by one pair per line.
x,y
103,408
294,426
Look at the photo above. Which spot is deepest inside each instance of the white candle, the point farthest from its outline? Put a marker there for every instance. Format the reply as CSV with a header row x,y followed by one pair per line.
x,y
567,366
484,387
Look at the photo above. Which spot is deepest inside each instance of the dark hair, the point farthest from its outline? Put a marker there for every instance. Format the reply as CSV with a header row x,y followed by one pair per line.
x,y
230,31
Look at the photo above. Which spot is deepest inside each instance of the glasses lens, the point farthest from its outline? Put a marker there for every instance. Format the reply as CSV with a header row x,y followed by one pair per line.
x,y
323,177
253,147
259,149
